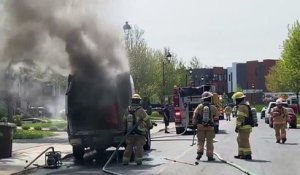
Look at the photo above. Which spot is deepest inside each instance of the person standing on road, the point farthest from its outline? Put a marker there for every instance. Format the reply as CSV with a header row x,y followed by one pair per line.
x,y
279,119
137,138
203,120
166,114
243,126
228,111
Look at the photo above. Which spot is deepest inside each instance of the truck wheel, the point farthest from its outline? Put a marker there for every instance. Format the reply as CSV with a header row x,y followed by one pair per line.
x,y
293,126
78,152
147,146
179,130
216,128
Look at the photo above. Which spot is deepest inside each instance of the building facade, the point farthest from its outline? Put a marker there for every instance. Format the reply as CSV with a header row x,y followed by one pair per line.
x,y
249,77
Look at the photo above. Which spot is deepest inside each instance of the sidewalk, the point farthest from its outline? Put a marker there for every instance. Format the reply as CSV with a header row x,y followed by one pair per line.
x,y
26,150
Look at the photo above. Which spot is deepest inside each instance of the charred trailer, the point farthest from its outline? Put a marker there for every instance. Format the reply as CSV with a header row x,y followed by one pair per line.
x,y
95,110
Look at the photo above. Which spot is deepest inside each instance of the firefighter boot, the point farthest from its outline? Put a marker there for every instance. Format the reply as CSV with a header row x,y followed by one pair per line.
x,y
278,141
248,157
199,155
283,140
239,157
210,159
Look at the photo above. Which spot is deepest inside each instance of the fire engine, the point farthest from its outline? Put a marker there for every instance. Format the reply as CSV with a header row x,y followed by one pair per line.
x,y
185,101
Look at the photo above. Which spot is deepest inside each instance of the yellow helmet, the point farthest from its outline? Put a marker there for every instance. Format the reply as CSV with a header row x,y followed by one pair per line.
x,y
238,95
136,96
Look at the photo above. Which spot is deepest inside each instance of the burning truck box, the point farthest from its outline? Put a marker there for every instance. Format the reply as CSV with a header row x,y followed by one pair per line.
x,y
95,111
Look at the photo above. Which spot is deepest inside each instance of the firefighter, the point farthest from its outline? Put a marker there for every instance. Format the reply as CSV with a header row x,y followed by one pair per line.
x,y
279,118
243,126
137,138
203,120
228,111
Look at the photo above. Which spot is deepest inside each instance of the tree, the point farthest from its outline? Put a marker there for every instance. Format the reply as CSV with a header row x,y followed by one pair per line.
x,y
146,68
195,63
285,75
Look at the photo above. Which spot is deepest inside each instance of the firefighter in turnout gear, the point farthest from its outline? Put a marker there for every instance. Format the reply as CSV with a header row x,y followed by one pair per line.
x,y
279,118
137,138
228,111
203,120
243,126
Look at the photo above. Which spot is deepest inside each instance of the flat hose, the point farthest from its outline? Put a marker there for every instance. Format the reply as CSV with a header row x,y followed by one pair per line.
x,y
116,150
233,164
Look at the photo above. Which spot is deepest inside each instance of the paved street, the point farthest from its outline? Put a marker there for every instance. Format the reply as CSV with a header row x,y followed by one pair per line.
x,y
268,157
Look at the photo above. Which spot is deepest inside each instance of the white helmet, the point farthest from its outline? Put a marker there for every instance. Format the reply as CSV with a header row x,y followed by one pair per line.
x,y
278,101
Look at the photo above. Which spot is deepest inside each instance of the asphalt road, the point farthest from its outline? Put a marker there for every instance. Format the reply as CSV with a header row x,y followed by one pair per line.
x,y
268,156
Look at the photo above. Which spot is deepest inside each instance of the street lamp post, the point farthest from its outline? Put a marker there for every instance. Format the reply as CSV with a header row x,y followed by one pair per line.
x,y
188,73
252,94
167,58
127,29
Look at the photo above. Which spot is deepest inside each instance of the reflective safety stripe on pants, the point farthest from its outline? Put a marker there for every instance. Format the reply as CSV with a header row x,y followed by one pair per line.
x,y
243,142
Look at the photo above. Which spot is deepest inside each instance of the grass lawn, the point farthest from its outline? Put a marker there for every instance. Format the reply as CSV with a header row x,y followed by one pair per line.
x,y
59,124
156,116
298,119
259,107
31,134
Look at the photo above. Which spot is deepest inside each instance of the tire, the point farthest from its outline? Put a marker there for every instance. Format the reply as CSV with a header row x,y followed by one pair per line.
x,y
216,128
147,146
78,152
293,126
179,130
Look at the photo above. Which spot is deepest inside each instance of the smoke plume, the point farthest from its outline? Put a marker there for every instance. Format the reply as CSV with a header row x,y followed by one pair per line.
x,y
66,36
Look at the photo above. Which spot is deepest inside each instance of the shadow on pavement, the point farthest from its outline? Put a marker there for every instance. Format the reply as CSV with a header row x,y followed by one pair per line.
x,y
259,161
222,132
290,144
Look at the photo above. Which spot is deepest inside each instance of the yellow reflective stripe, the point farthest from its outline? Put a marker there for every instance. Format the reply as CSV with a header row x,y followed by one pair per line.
x,y
147,118
240,113
138,159
246,127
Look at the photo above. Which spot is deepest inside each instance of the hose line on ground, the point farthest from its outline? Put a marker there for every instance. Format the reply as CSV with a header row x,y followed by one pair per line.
x,y
234,165
117,149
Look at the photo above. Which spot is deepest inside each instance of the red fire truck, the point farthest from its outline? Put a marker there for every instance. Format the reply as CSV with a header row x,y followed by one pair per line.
x,y
185,100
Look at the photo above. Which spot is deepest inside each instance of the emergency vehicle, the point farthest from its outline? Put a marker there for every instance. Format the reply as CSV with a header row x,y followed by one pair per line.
x,y
185,101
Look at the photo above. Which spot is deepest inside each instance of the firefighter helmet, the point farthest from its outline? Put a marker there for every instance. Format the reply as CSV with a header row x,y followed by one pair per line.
x,y
136,96
238,95
206,94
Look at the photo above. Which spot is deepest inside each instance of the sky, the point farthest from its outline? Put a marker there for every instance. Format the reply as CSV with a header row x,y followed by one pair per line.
x,y
217,32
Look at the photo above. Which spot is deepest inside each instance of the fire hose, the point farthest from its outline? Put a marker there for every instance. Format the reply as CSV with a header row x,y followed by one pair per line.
x,y
118,147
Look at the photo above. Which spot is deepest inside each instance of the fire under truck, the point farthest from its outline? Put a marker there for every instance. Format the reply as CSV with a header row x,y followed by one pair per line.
x,y
186,99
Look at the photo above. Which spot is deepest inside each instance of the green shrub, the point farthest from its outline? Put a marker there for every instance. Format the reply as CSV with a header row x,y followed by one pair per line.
x,y
3,112
25,127
38,128
31,134
18,120
156,116
53,128
3,119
